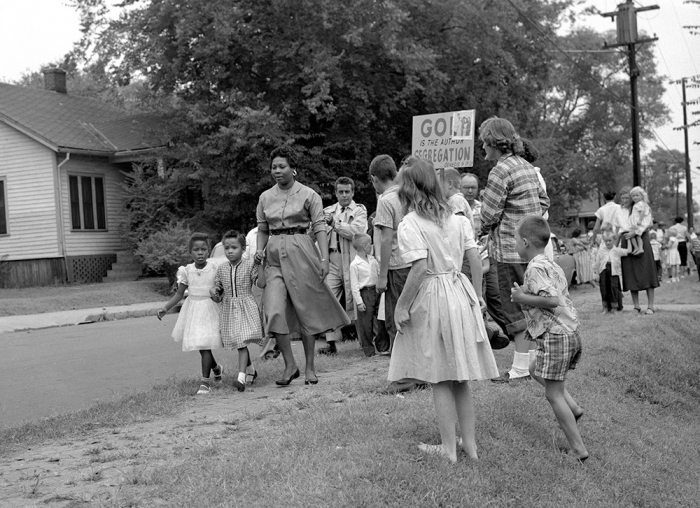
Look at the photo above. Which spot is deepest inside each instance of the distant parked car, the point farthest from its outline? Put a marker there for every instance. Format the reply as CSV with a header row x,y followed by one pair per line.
x,y
563,259
217,255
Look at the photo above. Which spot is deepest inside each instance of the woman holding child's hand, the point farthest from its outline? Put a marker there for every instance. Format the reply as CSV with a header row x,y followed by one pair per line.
x,y
296,298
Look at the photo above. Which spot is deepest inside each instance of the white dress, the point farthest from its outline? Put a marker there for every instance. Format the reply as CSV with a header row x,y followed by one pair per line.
x,y
197,325
673,256
445,339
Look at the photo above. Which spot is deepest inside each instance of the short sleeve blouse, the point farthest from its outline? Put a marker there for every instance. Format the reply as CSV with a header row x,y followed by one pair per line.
x,y
182,276
412,244
298,206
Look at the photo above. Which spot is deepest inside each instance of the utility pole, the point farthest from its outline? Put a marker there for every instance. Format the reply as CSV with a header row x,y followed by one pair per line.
x,y
626,17
685,127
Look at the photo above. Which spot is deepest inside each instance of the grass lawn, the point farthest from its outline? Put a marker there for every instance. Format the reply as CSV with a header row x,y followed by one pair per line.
x,y
344,444
37,300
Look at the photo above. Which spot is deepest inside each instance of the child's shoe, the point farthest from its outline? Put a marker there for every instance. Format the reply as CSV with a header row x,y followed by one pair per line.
x,y
239,383
217,376
204,387
250,375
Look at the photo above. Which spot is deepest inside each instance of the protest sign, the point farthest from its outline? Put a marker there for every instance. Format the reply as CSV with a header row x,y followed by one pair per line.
x,y
445,139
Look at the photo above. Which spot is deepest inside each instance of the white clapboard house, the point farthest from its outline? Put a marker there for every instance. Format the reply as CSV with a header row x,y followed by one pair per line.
x,y
61,163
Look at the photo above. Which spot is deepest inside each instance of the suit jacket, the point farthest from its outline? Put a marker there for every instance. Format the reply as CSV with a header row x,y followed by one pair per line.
x,y
346,225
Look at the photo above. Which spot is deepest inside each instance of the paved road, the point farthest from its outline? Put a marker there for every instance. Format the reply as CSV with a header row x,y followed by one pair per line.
x,y
59,370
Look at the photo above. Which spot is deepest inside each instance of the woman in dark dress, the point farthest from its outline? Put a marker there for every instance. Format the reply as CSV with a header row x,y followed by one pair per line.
x,y
638,272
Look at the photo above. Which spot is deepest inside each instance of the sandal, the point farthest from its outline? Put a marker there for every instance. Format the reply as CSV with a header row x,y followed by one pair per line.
x,y
250,378
217,377
649,312
203,390
638,309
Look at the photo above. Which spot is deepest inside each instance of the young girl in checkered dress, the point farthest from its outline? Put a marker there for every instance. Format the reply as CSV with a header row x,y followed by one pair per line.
x,y
240,322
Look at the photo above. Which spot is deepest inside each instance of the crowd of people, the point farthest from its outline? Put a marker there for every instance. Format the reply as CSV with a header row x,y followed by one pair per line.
x,y
435,279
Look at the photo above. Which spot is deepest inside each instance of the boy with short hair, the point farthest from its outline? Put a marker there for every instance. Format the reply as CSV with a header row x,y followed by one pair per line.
x,y
364,272
656,249
609,267
552,323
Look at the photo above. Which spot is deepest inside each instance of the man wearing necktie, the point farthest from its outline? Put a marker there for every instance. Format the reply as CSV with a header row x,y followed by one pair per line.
x,y
344,220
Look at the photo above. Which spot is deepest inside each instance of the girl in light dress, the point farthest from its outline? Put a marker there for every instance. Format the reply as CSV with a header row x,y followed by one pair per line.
x,y
441,336
197,324
240,322
673,257
640,218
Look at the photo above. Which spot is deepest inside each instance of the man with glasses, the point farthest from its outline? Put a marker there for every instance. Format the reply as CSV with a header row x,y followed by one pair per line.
x,y
470,190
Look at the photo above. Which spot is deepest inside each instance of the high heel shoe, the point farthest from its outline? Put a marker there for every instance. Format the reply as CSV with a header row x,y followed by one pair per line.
x,y
285,382
311,381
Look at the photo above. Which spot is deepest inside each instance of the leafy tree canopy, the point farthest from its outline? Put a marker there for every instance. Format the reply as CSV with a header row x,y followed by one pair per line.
x,y
341,82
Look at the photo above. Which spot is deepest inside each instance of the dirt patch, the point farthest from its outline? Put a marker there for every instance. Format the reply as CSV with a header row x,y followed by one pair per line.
x,y
80,472
37,300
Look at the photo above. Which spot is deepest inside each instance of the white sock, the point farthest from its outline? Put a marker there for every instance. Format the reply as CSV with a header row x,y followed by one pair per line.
x,y
521,366
241,377
532,355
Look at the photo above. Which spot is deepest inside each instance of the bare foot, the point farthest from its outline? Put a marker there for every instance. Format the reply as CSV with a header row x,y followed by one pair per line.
x,y
581,456
436,450
469,450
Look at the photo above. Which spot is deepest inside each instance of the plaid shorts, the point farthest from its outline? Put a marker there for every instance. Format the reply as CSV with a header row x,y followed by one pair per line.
x,y
556,354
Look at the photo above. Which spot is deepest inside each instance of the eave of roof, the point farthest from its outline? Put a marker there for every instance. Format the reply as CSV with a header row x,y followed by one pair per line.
x,y
65,123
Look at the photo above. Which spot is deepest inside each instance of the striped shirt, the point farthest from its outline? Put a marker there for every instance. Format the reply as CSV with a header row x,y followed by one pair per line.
x,y
512,192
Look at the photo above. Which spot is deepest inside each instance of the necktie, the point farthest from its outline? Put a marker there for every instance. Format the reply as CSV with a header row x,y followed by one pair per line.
x,y
337,236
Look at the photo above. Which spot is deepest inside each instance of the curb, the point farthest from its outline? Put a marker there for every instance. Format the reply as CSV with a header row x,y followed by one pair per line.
x,y
9,324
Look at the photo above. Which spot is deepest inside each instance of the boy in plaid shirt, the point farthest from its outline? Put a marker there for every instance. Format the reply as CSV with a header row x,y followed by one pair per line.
x,y
552,323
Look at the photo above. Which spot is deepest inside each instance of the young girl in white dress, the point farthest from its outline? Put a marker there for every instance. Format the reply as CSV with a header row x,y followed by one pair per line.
x,y
673,257
240,322
441,336
197,324
640,218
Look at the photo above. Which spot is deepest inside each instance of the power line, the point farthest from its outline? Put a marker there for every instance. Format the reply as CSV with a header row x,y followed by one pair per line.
x,y
563,52
683,35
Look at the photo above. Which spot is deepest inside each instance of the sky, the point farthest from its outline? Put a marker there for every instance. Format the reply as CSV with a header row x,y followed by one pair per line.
x,y
35,32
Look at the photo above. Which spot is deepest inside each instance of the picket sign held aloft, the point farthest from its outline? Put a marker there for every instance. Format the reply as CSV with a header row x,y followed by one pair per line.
x,y
445,139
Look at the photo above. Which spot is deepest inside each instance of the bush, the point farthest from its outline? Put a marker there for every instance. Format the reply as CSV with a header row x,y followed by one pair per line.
x,y
166,250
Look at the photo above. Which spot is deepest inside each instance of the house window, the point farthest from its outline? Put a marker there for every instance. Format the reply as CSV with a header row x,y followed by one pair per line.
x,y
3,207
87,202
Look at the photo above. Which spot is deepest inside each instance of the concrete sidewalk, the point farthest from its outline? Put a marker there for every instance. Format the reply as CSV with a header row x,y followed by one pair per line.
x,y
76,317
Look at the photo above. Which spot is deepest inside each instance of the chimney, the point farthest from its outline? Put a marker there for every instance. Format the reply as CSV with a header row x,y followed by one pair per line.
x,y
55,79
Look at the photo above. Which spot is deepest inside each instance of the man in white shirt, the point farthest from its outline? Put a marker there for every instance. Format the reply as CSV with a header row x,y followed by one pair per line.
x,y
608,213
469,186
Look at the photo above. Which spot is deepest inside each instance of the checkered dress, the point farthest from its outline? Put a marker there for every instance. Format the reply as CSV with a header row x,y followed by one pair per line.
x,y
240,322
512,192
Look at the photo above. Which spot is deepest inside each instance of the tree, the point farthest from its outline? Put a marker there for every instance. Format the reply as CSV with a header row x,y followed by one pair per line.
x,y
339,80
586,117
664,174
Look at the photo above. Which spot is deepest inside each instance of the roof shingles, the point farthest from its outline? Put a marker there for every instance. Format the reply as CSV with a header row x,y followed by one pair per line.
x,y
78,123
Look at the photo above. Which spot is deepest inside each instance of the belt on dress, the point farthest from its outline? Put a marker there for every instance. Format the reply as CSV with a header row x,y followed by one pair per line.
x,y
289,231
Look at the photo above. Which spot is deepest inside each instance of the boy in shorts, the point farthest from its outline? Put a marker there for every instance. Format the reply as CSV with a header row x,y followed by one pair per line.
x,y
552,323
